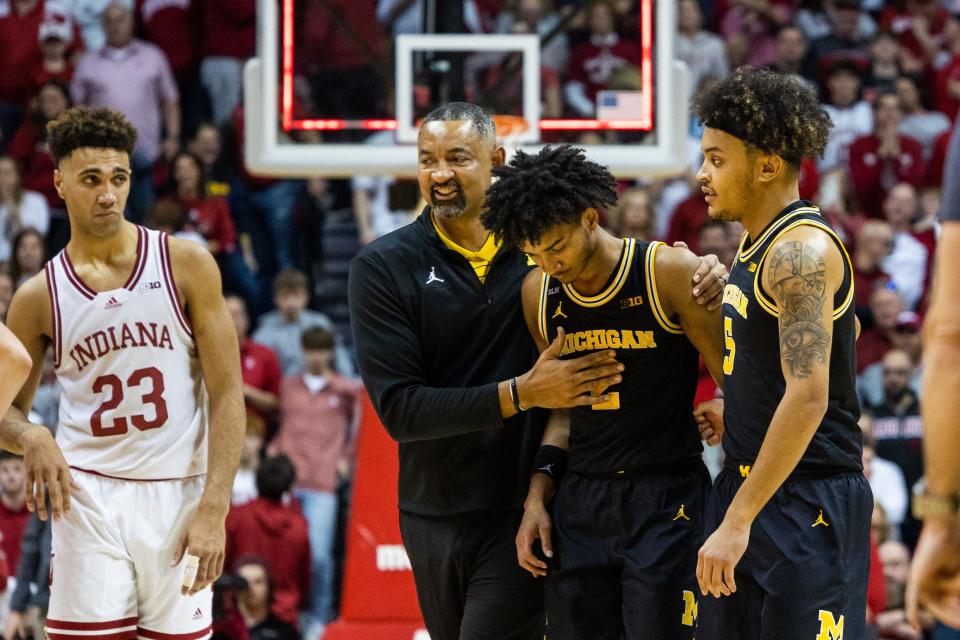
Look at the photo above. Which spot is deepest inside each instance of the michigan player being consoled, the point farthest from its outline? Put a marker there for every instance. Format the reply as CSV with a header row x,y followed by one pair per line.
x,y
627,517
790,513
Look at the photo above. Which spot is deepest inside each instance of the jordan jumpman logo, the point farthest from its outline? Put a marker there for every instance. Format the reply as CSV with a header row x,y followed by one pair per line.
x,y
433,276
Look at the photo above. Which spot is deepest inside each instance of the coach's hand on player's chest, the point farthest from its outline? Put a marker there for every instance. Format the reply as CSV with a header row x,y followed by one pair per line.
x,y
553,383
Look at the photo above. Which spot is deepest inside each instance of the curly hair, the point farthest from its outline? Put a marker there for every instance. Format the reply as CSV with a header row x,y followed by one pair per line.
x,y
768,111
97,127
537,192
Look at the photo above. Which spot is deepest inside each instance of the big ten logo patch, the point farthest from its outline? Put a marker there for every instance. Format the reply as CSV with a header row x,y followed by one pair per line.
x,y
830,627
153,285
690,609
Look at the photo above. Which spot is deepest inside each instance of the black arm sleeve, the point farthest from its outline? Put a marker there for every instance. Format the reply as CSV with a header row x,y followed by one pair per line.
x,y
950,209
391,365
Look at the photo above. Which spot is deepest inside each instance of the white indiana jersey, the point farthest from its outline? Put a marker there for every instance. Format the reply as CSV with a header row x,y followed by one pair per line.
x,y
133,403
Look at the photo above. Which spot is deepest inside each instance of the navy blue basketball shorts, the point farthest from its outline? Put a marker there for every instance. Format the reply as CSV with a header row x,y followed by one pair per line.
x,y
804,574
625,555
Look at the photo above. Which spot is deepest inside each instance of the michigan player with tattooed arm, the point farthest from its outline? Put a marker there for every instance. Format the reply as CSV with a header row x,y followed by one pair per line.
x,y
789,516
136,323
627,517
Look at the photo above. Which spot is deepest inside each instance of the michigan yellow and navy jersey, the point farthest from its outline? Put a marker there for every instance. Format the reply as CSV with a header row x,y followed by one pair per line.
x,y
649,419
753,377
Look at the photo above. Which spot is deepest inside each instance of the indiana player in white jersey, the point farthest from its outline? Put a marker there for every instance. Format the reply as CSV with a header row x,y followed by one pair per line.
x,y
137,323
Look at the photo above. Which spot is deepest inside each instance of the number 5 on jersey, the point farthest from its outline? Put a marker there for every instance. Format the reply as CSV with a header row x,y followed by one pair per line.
x,y
113,383
730,346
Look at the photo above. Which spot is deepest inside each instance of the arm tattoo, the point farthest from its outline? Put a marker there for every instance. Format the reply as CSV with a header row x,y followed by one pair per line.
x,y
798,278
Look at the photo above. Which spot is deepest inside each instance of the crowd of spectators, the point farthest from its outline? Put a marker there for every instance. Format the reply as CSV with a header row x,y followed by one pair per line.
x,y
887,72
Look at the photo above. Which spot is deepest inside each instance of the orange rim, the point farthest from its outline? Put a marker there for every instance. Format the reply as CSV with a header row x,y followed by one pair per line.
x,y
510,125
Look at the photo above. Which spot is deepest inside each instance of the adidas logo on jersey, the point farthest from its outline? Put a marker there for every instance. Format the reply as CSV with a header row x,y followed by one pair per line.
x,y
112,303
197,614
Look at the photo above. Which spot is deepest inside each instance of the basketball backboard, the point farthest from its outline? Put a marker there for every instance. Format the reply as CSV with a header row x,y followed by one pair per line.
x,y
653,131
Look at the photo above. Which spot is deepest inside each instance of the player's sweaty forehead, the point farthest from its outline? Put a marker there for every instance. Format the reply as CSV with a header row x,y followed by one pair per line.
x,y
96,160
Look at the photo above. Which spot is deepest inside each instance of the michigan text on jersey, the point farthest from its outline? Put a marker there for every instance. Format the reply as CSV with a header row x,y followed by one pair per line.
x,y
733,296
608,339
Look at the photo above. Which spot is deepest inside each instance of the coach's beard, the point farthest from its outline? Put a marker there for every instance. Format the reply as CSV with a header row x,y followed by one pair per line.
x,y
453,208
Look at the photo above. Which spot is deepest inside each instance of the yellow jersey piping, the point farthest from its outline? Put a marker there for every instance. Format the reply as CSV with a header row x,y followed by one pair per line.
x,y
542,315
653,296
605,296
744,255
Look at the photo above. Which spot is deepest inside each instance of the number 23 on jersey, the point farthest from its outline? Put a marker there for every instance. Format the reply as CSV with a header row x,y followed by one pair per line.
x,y
150,381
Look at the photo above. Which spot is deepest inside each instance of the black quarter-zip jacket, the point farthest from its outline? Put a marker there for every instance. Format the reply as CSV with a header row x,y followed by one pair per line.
x,y
432,343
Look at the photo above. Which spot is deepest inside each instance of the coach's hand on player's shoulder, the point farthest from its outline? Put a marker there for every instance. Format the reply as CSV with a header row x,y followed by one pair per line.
x,y
709,418
709,279
205,538
934,583
718,557
46,472
553,383
536,525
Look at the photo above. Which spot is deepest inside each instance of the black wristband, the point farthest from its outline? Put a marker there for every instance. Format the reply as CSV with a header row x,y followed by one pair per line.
x,y
515,395
550,461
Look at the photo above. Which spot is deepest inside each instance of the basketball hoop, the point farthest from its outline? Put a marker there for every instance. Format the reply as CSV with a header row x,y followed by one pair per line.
x,y
509,129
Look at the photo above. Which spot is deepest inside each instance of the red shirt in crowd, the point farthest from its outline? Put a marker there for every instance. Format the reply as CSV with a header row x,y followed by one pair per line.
x,y
40,76
230,28
809,179
943,99
36,163
20,47
594,61
12,524
872,345
865,283
172,26
876,584
873,177
686,220
211,219
938,159
706,385
317,429
278,534
260,369
900,23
